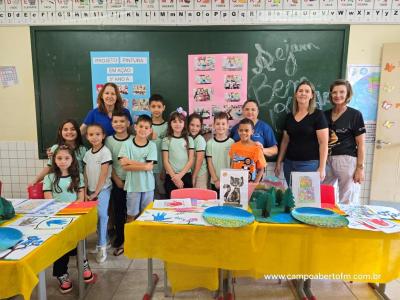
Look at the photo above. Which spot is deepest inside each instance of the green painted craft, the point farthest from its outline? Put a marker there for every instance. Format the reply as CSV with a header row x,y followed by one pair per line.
x,y
319,217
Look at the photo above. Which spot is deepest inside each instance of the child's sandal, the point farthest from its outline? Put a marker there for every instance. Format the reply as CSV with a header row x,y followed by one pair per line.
x,y
118,251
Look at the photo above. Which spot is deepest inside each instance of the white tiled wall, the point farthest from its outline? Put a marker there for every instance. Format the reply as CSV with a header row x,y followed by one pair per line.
x,y
19,164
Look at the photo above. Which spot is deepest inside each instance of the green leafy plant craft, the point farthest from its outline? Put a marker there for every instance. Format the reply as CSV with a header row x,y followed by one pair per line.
x,y
272,205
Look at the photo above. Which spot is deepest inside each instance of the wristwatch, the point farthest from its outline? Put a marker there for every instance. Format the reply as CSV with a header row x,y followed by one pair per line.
x,y
360,166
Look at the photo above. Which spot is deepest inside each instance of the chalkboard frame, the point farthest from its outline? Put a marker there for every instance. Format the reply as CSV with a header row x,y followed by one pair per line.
x,y
34,30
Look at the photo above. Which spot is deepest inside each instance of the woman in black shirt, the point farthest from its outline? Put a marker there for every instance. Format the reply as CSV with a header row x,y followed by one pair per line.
x,y
346,144
304,143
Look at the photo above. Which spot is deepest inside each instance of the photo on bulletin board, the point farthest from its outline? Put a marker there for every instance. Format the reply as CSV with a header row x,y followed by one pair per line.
x,y
217,82
130,71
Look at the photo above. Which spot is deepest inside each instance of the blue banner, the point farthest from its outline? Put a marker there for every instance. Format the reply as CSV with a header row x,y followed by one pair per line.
x,y
130,71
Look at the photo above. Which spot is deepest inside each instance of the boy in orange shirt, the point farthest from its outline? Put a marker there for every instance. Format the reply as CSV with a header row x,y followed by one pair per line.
x,y
246,154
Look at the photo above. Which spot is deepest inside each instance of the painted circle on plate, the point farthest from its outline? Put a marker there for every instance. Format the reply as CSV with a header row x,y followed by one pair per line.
x,y
227,216
319,217
9,237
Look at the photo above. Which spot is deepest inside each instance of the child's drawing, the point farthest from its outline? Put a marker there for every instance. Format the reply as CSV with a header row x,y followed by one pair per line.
x,y
306,193
306,189
32,206
41,224
234,188
385,212
358,211
173,203
24,247
55,223
172,217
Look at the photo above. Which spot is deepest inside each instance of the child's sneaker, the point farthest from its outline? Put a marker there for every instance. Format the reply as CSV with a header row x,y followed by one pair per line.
x,y
88,275
65,283
101,254
95,250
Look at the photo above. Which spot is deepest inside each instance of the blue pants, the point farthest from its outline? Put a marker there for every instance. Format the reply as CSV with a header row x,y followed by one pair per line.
x,y
290,166
136,202
103,200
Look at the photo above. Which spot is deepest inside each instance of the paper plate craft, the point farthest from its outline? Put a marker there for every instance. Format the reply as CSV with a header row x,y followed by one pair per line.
x,y
319,217
227,216
9,237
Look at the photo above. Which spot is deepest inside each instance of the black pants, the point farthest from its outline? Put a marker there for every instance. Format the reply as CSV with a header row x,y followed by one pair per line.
x,y
214,188
118,198
170,185
60,266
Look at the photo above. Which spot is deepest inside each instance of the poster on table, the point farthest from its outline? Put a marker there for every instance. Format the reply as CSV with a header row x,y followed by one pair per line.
x,y
306,189
217,82
34,225
234,186
130,71
28,244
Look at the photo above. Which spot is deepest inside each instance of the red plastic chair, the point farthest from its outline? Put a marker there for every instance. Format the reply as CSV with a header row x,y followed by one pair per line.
x,y
327,195
201,194
36,191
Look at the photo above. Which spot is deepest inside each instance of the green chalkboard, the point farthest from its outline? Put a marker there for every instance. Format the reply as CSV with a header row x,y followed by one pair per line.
x,y
279,57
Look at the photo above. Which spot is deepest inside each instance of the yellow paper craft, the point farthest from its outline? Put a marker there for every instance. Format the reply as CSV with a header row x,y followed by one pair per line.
x,y
388,124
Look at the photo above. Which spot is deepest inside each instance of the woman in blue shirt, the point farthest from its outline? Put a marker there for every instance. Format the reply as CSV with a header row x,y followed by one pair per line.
x,y
263,134
108,100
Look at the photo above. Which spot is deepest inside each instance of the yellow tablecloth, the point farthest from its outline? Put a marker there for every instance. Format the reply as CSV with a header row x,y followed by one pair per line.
x,y
21,276
263,248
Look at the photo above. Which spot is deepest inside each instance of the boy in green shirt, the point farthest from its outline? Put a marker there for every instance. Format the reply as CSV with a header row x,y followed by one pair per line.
x,y
120,123
218,148
137,157
157,107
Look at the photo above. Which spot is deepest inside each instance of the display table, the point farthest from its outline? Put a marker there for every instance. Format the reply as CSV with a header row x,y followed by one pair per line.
x,y
262,248
21,276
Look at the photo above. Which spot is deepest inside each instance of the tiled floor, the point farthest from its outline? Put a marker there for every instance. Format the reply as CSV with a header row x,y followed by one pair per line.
x,y
120,278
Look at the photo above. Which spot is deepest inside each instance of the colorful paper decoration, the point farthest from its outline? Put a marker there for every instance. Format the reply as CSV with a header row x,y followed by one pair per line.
x,y
389,124
386,105
389,67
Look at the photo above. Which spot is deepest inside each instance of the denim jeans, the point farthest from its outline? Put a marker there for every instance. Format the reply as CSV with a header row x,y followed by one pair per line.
x,y
290,166
103,200
136,202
